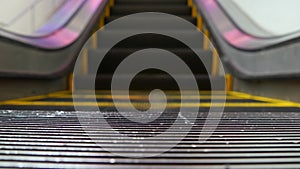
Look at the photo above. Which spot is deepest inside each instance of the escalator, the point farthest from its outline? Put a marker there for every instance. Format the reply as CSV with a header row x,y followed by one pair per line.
x,y
46,131
149,79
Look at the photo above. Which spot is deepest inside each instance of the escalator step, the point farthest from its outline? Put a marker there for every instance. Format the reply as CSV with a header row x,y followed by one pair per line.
x,y
115,57
170,9
146,82
148,40
53,139
134,2
148,21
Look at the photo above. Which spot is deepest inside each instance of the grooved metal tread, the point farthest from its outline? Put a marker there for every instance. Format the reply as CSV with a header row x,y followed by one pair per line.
x,y
56,139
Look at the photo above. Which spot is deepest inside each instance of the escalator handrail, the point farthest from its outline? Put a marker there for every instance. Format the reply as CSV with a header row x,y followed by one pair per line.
x,y
53,56
60,34
232,34
248,57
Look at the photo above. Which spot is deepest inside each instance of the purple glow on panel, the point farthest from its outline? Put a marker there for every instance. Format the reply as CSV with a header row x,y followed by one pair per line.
x,y
231,34
60,18
93,4
61,37
209,4
65,36
236,38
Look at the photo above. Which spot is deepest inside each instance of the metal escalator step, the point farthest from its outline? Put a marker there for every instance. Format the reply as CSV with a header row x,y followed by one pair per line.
x,y
115,56
235,101
149,40
170,9
146,81
51,139
149,21
151,2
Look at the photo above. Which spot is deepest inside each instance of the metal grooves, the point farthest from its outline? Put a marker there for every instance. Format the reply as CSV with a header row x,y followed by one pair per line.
x,y
39,139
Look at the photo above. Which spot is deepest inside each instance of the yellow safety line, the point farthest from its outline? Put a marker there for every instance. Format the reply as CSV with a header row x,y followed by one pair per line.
x,y
101,22
143,97
194,11
229,82
199,22
71,82
111,3
143,91
31,98
169,105
215,62
266,99
190,3
248,96
232,95
107,11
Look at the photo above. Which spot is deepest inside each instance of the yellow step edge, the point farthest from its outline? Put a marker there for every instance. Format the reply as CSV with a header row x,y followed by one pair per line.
x,y
189,3
142,97
269,102
143,91
111,3
229,82
30,98
141,104
265,99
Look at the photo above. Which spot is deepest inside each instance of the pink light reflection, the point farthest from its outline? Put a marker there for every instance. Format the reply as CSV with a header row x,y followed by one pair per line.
x,y
210,5
93,4
236,37
62,37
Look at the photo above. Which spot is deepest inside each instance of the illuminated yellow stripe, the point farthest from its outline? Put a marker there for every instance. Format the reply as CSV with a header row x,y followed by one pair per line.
x,y
194,11
111,3
229,82
232,95
101,22
143,91
199,22
107,11
215,62
260,98
71,82
190,3
169,105
171,94
143,97
35,97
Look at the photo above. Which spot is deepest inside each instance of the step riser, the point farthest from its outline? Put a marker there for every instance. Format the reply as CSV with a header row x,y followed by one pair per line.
x,y
147,82
149,23
127,10
150,2
115,57
149,40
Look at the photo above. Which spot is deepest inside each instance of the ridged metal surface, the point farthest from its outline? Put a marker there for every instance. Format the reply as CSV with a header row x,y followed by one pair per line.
x,y
49,139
